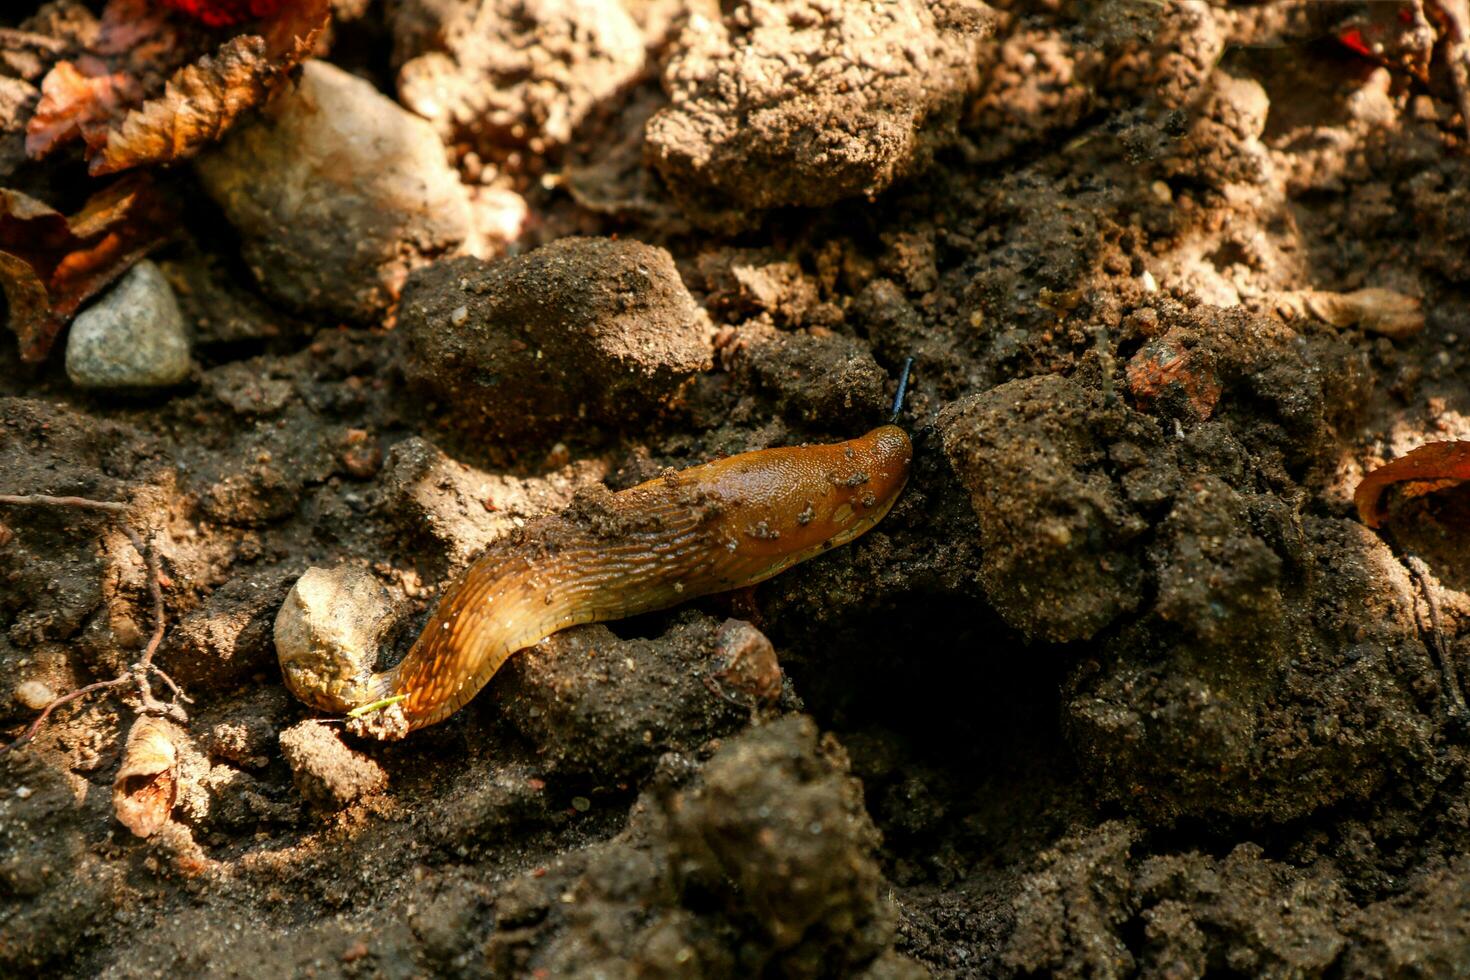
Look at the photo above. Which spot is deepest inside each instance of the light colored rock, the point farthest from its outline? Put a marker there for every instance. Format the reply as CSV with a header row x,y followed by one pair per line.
x,y
327,635
133,337
34,694
337,192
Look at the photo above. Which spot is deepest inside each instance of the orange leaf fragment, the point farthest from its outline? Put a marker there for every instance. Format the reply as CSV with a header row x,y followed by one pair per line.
x,y
76,104
1435,462
51,264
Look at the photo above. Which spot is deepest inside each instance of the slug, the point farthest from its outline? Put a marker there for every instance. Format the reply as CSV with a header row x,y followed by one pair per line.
x,y
723,525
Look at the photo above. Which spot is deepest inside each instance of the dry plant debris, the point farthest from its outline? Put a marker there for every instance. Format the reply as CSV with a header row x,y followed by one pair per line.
x,y
138,673
106,96
147,783
50,264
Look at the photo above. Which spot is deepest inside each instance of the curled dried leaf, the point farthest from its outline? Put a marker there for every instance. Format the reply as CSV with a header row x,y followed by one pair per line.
x,y
153,90
1380,311
146,786
1428,468
203,100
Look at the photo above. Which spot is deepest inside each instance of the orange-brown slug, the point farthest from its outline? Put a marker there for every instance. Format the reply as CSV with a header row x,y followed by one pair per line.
x,y
726,524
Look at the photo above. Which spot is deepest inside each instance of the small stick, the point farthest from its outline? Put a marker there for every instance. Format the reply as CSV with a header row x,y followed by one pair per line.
x,y
137,673
364,709
1456,696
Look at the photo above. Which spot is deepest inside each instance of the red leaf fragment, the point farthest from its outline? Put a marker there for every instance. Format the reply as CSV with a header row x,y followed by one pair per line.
x,y
1436,463
224,13
50,264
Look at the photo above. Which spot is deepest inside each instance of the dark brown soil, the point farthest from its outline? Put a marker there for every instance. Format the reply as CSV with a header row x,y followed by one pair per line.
x,y
1119,686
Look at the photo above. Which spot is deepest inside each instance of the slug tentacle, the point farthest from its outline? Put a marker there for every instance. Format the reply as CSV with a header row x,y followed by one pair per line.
x,y
726,524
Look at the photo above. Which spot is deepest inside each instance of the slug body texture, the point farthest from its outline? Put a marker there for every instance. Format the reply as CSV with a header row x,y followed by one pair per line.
x,y
726,524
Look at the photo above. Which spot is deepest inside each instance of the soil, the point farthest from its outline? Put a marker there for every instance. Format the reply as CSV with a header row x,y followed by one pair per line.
x,y
1120,685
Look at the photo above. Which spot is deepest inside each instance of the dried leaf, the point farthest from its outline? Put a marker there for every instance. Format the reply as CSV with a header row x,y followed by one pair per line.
x,y
1437,464
50,265
146,786
73,104
1380,311
198,105
101,97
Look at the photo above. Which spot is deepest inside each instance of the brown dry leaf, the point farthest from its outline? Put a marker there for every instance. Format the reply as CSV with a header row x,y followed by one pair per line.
x,y
1380,311
203,100
1433,465
50,264
146,786
100,97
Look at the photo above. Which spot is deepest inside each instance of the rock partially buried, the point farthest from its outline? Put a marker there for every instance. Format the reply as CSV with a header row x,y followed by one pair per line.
x,y
803,102
337,193
132,338
326,772
581,327
326,612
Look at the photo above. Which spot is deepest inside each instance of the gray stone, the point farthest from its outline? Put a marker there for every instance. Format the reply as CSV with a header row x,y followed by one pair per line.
x,y
133,337
337,192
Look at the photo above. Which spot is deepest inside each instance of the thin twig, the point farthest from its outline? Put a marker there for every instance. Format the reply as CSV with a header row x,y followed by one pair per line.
x,y
82,503
1437,643
138,672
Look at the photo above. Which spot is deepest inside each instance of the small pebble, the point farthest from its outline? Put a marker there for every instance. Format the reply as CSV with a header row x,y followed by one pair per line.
x,y
581,804
132,338
23,792
34,694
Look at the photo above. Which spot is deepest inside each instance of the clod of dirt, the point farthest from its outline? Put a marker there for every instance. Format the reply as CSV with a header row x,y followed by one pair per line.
x,y
1317,648
1094,909
743,282
337,193
133,337
827,379
1055,527
776,831
762,866
333,621
144,790
511,73
463,509
799,102
326,772
583,326
598,705
228,638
